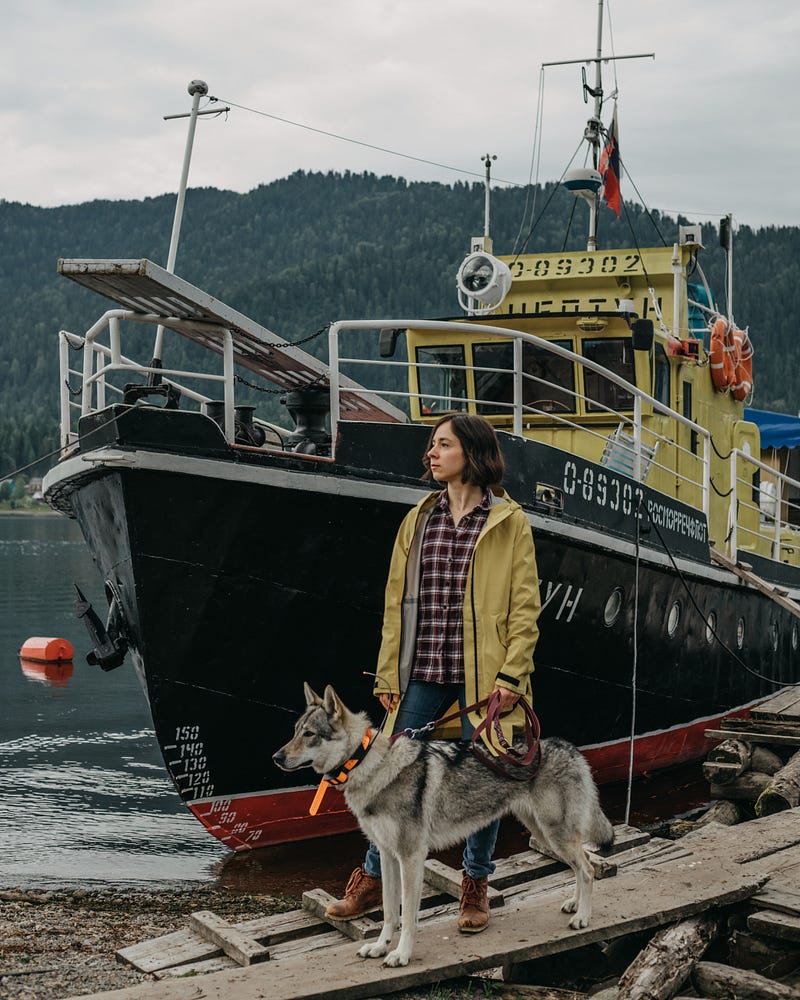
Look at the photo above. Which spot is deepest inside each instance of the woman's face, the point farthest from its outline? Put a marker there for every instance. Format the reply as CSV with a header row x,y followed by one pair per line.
x,y
446,455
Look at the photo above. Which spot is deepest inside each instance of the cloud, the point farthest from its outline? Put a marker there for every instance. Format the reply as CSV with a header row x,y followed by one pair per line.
x,y
703,127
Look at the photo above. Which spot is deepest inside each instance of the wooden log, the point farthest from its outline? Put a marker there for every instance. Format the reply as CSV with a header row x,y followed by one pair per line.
x,y
783,789
766,956
765,760
660,970
731,751
725,811
713,980
747,787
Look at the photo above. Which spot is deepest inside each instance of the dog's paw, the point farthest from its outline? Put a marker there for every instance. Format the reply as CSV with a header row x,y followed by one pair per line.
x,y
395,958
372,950
578,922
569,905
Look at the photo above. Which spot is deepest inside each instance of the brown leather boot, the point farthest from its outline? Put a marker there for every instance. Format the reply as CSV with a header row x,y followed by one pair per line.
x,y
473,917
362,894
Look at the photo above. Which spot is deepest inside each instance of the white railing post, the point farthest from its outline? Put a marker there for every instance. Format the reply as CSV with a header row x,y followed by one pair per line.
x,y
228,394
63,363
732,517
707,476
637,438
776,551
333,382
517,343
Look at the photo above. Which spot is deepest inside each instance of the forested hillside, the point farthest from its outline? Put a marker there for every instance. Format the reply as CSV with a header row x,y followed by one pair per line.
x,y
302,251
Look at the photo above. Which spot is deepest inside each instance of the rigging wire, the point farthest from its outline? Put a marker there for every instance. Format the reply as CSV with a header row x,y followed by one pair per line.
x,y
365,145
711,629
634,673
536,154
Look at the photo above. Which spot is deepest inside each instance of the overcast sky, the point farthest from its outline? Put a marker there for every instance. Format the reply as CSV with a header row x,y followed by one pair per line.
x,y
710,126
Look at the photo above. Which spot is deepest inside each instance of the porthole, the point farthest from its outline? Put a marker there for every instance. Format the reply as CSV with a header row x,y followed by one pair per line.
x,y
673,619
711,627
795,638
740,633
613,606
773,631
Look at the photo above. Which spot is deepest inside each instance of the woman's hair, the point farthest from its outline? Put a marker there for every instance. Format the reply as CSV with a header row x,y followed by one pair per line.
x,y
484,464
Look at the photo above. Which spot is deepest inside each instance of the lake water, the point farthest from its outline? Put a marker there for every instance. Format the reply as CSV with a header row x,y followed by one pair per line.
x,y
83,792
84,797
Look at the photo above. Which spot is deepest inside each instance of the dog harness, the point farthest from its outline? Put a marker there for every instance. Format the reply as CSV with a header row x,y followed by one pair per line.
x,y
340,777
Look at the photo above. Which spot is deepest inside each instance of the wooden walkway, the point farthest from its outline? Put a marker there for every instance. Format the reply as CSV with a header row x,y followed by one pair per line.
x,y
648,883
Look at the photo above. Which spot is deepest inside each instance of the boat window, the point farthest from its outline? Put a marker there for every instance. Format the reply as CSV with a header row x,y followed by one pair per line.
x,y
548,383
444,386
673,618
661,381
616,354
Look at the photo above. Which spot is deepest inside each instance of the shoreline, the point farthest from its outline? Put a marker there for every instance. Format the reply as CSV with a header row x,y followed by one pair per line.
x,y
62,943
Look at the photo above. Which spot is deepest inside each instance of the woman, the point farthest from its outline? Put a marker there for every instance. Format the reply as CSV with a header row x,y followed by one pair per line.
x,y
460,622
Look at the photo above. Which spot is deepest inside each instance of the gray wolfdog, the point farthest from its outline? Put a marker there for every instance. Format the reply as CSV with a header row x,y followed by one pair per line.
x,y
413,796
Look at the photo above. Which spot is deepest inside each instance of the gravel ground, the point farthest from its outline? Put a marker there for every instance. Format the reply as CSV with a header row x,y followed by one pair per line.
x,y
62,943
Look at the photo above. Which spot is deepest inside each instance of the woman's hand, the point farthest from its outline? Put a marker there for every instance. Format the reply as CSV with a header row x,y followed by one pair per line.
x,y
389,701
508,699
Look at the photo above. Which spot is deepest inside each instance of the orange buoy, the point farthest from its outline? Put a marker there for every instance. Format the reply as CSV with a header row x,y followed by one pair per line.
x,y
742,384
47,650
720,356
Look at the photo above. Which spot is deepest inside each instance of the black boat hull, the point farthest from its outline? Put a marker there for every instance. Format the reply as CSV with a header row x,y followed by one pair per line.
x,y
239,581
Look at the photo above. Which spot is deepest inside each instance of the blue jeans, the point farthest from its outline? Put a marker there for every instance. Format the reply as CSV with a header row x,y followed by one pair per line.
x,y
422,703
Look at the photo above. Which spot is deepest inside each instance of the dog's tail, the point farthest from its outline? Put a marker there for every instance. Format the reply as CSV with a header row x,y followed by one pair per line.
x,y
602,833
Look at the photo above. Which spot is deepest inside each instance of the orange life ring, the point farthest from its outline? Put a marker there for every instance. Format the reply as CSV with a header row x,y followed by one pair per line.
x,y
742,384
720,356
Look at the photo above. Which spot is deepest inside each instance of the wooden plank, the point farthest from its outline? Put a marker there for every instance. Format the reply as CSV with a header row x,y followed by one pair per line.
x,y
755,581
203,968
185,946
778,899
763,737
241,948
783,926
633,901
447,879
782,703
317,901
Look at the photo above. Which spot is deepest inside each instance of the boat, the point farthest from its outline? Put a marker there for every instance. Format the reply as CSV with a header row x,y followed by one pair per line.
x,y
241,557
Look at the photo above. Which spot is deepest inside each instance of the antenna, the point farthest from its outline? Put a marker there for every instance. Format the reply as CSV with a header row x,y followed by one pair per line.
x,y
592,132
487,159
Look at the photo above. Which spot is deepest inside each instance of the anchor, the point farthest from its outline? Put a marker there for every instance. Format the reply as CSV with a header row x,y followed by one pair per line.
x,y
109,646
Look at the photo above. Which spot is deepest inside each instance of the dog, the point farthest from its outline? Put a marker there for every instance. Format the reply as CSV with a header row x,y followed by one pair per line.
x,y
414,796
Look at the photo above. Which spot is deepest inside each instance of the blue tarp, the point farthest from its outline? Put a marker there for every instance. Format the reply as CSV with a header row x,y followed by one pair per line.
x,y
778,430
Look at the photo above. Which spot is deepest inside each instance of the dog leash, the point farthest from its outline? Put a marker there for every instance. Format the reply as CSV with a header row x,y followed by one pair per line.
x,y
430,726
340,777
503,753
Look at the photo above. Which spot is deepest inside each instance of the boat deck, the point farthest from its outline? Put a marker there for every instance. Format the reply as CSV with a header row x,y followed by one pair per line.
x,y
149,290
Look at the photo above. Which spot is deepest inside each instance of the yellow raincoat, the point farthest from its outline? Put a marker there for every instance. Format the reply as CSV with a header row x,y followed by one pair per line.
x,y
501,608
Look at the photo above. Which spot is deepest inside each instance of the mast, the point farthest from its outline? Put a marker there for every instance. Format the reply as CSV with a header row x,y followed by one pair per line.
x,y
592,131
586,183
197,89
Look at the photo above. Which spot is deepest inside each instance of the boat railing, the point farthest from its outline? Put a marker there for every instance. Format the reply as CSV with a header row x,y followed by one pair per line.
x,y
102,362
760,494
633,447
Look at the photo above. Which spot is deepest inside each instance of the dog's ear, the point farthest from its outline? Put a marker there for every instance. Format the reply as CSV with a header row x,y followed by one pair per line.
x,y
312,698
333,703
